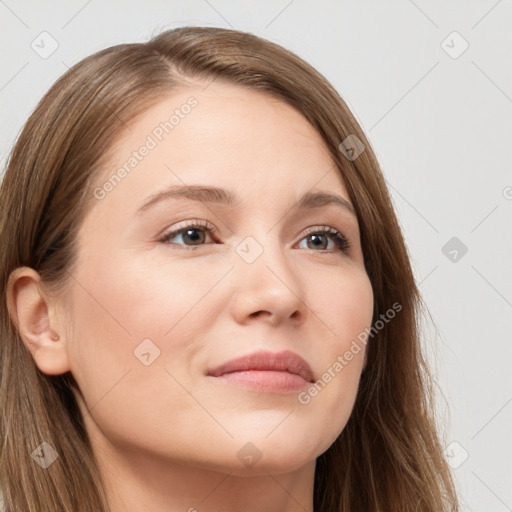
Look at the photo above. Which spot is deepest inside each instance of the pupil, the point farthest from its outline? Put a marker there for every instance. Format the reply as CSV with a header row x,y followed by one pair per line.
x,y
194,238
317,237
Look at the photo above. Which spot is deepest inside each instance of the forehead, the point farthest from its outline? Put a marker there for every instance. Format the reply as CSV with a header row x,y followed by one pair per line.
x,y
225,135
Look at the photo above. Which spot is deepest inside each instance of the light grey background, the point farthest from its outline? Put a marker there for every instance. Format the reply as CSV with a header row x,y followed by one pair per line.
x,y
440,122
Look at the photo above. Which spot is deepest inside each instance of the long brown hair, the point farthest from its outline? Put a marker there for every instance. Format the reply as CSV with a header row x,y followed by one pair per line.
x,y
389,455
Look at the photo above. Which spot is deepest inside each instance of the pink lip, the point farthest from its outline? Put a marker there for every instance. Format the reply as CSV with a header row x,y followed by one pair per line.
x,y
266,371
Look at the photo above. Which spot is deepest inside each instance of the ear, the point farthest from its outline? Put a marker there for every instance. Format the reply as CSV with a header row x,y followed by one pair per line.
x,y
36,319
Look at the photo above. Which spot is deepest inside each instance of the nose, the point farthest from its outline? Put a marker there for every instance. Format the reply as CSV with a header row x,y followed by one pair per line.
x,y
268,289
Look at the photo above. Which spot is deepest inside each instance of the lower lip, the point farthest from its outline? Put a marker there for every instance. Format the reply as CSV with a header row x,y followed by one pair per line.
x,y
266,380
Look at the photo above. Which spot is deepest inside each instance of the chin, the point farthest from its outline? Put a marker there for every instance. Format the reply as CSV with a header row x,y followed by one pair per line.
x,y
257,457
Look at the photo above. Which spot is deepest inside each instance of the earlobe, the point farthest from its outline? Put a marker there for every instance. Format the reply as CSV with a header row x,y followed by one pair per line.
x,y
35,318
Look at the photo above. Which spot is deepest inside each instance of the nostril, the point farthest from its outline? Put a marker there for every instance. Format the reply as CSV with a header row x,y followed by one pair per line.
x,y
257,313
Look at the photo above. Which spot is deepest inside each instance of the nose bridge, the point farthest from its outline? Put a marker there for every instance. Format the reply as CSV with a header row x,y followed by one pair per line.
x,y
264,256
267,280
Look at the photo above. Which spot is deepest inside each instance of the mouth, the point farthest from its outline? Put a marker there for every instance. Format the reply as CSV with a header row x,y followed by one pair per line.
x,y
274,372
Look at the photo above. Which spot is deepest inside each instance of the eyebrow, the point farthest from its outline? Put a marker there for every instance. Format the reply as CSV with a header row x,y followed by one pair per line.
x,y
215,195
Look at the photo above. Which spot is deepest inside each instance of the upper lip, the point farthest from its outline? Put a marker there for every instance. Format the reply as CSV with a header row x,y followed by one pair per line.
x,y
262,360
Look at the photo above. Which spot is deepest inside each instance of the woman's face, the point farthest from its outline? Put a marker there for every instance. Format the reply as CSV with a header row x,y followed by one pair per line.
x,y
151,317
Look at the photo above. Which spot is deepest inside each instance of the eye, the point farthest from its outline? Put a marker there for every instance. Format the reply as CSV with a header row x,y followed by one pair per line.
x,y
317,233
189,232
196,232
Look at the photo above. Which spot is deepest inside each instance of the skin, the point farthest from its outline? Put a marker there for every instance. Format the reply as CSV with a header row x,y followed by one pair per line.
x,y
165,435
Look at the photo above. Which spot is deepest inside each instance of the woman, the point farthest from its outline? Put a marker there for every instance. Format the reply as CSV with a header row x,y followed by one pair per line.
x,y
208,300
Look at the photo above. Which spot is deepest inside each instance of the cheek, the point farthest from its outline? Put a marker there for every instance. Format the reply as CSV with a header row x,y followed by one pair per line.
x,y
344,303
121,304
124,316
347,309
140,298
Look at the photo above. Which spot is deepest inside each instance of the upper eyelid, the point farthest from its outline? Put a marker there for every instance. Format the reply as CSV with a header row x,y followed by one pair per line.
x,y
213,229
190,223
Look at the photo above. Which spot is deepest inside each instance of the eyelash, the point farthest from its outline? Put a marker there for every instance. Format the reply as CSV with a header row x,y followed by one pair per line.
x,y
339,239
